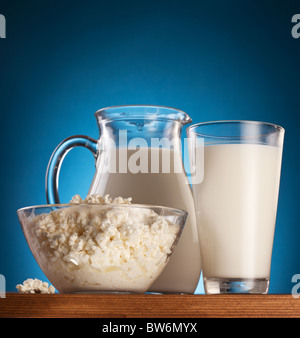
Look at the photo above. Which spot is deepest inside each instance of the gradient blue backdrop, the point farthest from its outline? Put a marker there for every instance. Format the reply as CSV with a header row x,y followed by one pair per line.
x,y
63,60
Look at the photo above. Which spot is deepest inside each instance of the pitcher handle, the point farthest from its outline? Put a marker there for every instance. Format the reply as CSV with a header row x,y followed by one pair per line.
x,y
56,159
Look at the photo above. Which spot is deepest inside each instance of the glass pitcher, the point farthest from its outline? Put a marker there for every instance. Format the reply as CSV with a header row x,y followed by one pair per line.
x,y
139,155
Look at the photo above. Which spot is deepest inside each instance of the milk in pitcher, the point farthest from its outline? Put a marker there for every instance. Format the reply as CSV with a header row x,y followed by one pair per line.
x,y
155,176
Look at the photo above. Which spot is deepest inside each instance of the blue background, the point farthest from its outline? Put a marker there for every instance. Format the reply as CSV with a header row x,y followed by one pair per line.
x,y
63,60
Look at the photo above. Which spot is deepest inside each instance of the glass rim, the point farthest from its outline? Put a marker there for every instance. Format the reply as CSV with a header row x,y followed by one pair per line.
x,y
178,211
115,113
276,128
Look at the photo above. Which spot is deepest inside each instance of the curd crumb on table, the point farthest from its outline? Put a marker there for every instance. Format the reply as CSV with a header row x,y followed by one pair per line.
x,y
35,286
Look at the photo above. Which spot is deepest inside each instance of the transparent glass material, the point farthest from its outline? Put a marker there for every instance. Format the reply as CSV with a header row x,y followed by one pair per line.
x,y
235,178
79,254
139,155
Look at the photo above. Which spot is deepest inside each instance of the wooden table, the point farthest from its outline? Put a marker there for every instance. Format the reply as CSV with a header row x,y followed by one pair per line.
x,y
148,306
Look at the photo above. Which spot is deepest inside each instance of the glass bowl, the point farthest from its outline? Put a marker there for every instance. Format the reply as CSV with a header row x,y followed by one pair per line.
x,y
108,248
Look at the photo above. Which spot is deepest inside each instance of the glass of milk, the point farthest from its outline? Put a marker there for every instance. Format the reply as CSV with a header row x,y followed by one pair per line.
x,y
235,176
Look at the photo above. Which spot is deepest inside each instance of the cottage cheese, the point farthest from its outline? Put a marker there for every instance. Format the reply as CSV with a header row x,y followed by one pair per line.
x,y
85,247
35,286
96,198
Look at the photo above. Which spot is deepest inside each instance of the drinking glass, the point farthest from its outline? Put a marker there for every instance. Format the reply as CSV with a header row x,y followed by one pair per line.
x,y
235,174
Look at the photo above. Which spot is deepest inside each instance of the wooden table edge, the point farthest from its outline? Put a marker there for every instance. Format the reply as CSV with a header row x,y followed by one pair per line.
x,y
16,305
